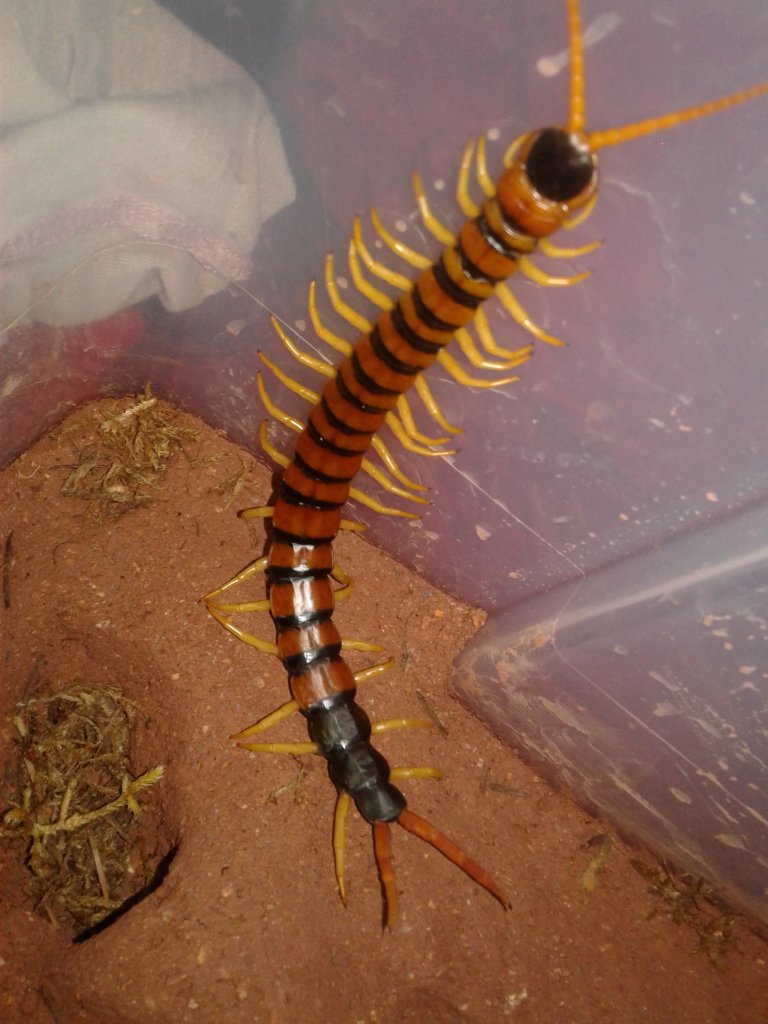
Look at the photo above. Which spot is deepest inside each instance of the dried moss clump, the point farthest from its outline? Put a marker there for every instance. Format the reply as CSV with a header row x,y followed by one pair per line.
x,y
691,902
78,803
133,441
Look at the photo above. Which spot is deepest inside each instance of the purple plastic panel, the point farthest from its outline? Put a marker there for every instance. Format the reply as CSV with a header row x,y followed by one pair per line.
x,y
615,465
642,689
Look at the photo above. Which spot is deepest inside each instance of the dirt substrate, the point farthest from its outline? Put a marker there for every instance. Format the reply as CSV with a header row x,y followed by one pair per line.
x,y
241,920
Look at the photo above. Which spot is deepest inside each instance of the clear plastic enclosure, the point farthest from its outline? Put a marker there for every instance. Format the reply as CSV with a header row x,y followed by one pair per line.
x,y
609,509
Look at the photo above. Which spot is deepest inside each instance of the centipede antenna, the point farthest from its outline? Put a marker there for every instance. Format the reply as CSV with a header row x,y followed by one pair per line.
x,y
576,102
649,126
634,130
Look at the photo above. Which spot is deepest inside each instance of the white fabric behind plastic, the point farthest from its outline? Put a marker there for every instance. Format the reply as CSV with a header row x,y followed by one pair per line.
x,y
135,160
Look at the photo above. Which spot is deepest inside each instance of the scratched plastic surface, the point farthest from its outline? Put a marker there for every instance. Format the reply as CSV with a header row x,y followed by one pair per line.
x,y
610,509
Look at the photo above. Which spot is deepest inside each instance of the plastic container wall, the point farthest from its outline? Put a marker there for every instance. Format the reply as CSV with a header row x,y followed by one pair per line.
x,y
642,689
614,468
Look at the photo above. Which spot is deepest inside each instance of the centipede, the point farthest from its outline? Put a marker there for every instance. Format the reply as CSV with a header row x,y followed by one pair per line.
x,y
420,306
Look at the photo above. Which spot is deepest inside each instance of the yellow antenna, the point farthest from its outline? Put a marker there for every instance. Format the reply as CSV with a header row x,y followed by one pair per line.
x,y
624,133
613,136
576,108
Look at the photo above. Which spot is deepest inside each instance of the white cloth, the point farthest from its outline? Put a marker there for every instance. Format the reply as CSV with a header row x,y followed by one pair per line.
x,y
135,160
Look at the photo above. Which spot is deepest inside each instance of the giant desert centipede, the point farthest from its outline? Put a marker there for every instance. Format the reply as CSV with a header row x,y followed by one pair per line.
x,y
549,181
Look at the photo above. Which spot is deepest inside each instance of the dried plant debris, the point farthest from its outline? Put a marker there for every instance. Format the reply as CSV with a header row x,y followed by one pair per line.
x,y
692,902
486,785
294,787
133,441
77,803
599,847
231,485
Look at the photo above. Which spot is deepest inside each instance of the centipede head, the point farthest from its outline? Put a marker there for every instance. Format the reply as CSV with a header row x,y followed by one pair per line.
x,y
552,173
560,165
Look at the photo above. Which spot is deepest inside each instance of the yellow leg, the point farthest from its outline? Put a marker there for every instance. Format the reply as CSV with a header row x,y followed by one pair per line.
x,y
468,206
286,710
352,526
273,718
415,772
518,314
259,566
416,259
430,222
364,674
376,506
459,374
265,646
487,340
477,150
291,706
268,647
343,592
242,606
422,390
475,358
275,411
581,216
374,295
409,424
389,724
258,512
484,179
341,345
343,801
376,474
293,385
559,252
534,273
266,512
381,270
318,365
269,448
357,320
402,436
346,582
511,150
361,645
294,749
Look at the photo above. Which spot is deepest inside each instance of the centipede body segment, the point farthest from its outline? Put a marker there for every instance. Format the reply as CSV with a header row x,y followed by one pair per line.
x,y
550,176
